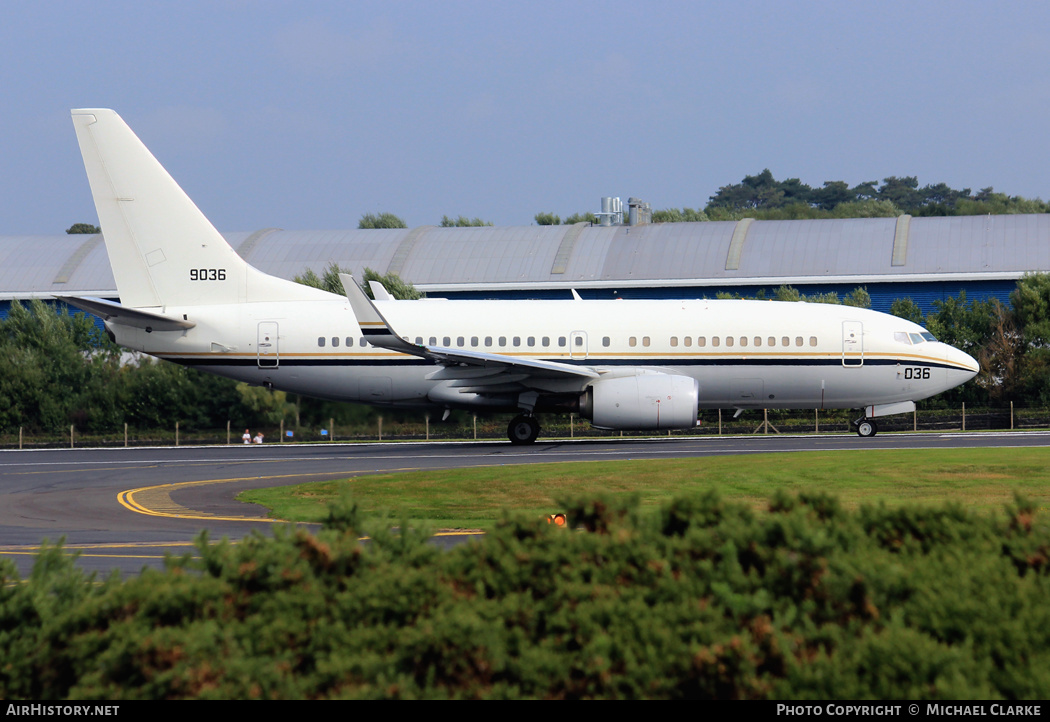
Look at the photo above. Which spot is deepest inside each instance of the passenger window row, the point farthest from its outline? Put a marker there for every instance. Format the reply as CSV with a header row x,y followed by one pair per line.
x,y
349,341
633,341
757,341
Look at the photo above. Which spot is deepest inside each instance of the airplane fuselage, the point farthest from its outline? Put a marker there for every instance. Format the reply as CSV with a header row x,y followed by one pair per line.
x,y
743,354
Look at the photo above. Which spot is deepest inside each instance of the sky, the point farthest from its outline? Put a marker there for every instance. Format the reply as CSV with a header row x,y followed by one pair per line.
x,y
307,115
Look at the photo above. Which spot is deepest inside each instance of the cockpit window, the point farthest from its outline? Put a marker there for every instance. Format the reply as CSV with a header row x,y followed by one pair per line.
x,y
928,336
901,337
916,337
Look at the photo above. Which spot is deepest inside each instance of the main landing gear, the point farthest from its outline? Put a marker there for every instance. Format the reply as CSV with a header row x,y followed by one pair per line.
x,y
866,427
523,429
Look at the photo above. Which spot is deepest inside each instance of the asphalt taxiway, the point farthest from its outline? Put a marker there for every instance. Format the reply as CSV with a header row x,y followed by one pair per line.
x,y
126,508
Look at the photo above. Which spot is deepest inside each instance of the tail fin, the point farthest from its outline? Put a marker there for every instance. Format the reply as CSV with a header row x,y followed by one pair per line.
x,y
163,250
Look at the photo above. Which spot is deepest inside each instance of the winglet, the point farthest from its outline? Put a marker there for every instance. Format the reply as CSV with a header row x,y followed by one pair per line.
x,y
374,327
379,291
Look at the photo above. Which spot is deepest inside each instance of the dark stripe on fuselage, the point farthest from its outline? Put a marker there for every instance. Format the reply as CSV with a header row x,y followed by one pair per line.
x,y
408,361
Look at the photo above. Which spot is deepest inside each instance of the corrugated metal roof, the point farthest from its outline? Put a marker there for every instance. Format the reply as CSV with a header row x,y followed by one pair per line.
x,y
760,252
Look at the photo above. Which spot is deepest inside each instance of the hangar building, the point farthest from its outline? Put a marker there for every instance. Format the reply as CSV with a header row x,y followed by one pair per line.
x,y
924,258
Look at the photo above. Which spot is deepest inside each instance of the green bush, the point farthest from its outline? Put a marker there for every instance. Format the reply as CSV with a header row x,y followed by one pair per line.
x,y
703,599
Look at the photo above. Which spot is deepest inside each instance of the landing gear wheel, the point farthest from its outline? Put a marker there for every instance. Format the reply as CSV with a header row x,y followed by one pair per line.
x,y
523,429
867,428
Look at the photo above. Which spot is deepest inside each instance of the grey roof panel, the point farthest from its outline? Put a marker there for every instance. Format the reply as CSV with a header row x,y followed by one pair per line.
x,y
525,256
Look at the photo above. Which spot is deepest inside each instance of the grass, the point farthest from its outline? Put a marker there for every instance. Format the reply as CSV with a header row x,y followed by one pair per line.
x,y
980,479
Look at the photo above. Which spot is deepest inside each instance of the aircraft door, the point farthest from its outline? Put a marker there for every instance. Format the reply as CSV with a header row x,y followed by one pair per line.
x,y
852,343
578,345
267,355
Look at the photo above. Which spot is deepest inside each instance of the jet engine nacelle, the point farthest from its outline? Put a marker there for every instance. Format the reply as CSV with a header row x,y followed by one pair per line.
x,y
642,403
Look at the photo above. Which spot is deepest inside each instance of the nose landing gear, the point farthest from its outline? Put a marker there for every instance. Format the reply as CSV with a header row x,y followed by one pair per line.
x,y
866,428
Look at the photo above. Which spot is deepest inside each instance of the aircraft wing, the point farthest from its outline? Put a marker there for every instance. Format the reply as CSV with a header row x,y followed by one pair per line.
x,y
377,330
137,318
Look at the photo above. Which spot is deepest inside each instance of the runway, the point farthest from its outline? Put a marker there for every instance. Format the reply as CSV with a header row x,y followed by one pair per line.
x,y
125,508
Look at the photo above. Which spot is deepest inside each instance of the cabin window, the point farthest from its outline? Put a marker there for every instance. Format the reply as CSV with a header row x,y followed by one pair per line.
x,y
578,340
785,341
530,341
502,341
446,341
459,341
632,342
362,342
798,340
335,342
320,341
349,340
645,341
714,341
561,341
812,340
758,340
729,340
473,340
433,341
674,342
771,341
701,341
419,341
546,341
606,341
488,340
743,340
517,340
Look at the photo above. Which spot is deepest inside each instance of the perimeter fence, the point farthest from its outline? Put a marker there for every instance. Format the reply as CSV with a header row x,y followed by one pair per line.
x,y
464,426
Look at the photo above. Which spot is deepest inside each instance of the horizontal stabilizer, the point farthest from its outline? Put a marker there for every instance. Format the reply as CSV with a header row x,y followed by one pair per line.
x,y
115,313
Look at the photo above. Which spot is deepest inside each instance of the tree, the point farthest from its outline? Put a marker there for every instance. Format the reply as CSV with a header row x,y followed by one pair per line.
x,y
902,192
83,228
761,191
328,281
394,285
1031,306
858,297
674,215
462,222
909,310
581,218
966,325
832,194
381,220
1031,302
1002,357
865,208
547,219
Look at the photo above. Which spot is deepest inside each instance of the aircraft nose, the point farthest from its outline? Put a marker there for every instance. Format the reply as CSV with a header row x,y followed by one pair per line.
x,y
963,366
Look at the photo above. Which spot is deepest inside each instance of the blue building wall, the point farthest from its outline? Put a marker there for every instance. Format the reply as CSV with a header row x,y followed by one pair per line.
x,y
882,294
925,294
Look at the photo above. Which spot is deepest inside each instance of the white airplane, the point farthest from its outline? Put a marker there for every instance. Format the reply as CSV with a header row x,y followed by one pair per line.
x,y
187,297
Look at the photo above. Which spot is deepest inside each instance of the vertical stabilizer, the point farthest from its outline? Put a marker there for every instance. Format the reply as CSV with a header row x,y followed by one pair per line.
x,y
163,250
